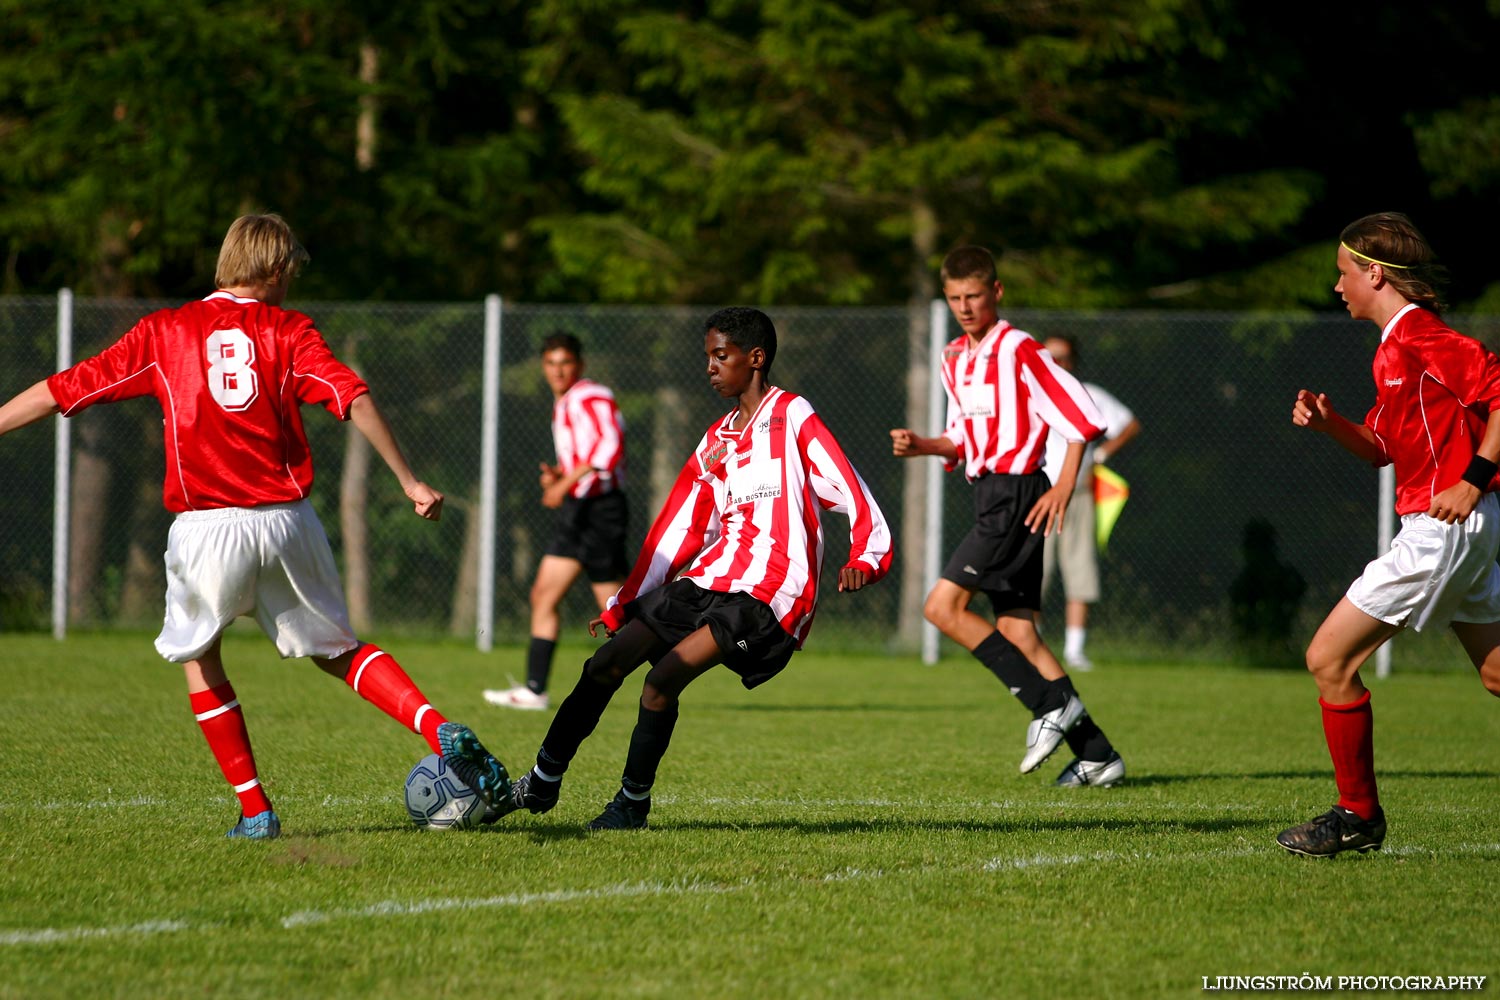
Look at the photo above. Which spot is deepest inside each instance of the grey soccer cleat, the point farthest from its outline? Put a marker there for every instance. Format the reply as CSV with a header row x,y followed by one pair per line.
x,y
1092,773
1044,734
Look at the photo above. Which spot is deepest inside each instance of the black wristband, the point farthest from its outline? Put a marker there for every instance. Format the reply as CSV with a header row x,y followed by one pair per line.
x,y
1479,473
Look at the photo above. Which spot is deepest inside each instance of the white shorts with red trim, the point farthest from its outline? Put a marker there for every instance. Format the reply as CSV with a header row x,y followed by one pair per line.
x,y
272,563
1436,573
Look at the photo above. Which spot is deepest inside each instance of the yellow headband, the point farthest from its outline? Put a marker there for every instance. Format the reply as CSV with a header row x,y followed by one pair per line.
x,y
1372,260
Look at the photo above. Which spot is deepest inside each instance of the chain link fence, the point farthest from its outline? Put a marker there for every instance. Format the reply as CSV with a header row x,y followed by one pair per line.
x,y
1217,451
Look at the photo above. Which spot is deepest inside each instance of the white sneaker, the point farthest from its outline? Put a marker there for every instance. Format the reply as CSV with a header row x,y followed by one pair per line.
x,y
1044,734
1079,662
520,696
1094,773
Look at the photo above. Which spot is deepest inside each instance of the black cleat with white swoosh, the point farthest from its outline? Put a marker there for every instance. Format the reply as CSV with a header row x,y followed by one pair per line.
x,y
1336,830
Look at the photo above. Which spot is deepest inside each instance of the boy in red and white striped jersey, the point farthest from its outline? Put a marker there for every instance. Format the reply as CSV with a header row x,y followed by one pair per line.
x,y
586,488
729,571
1005,394
231,373
1436,418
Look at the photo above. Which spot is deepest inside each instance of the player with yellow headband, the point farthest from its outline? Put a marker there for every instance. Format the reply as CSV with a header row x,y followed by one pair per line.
x,y
1436,418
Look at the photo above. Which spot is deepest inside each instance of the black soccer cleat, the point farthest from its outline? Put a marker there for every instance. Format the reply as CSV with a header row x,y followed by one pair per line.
x,y
527,792
622,813
1336,830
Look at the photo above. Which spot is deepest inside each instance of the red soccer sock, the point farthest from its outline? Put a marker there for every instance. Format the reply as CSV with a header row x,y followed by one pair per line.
x,y
223,723
376,677
1350,732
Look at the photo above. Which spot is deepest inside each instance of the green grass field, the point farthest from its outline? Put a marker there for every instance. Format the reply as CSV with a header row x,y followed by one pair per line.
x,y
855,828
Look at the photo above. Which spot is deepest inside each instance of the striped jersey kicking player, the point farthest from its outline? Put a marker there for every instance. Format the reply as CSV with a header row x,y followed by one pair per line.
x,y
742,516
729,571
1005,394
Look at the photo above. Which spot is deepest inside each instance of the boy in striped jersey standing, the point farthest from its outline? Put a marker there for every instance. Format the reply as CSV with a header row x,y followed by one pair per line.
x,y
587,489
1005,394
728,572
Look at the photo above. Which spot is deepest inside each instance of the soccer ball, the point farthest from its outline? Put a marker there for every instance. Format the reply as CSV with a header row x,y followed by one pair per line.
x,y
437,800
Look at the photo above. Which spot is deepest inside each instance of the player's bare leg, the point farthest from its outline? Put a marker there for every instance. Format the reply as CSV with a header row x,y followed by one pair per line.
x,y
1481,640
555,576
990,643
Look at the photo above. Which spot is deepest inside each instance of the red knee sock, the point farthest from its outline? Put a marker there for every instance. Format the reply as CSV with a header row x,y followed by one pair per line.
x,y
218,713
376,677
1350,730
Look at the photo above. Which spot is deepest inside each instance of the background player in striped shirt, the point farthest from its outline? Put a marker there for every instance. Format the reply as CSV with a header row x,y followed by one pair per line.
x,y
587,489
1004,394
729,571
231,373
1437,419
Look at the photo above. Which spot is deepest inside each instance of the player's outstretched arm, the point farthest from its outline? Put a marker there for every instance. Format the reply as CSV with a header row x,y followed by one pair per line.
x,y
427,501
27,407
909,444
1315,411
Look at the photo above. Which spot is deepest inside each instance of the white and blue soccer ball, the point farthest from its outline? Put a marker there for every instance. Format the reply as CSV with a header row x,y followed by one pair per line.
x,y
437,800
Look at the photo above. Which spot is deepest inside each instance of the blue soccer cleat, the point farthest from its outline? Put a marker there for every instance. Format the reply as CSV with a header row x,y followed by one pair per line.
x,y
474,765
261,826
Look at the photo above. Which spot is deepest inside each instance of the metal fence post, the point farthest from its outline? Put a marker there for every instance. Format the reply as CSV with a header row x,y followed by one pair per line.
x,y
489,465
1387,532
937,402
61,471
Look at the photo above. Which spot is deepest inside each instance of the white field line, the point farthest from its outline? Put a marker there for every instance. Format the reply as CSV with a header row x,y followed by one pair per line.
x,y
398,908
395,908
54,935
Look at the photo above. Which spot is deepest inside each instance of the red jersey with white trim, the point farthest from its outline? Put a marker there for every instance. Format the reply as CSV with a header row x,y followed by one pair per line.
x,y
230,375
743,515
587,429
1434,389
1003,395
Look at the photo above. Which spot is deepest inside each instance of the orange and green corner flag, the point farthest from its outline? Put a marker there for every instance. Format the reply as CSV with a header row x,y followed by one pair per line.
x,y
1110,493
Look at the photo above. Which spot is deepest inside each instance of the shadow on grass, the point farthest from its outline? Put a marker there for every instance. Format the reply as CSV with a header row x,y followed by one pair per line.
x,y
837,828
1147,780
862,707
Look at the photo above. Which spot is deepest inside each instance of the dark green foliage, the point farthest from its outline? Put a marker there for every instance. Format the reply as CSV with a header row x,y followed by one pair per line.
x,y
1186,152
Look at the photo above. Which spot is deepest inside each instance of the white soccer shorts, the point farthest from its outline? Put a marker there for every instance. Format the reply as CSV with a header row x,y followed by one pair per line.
x,y
1436,573
271,562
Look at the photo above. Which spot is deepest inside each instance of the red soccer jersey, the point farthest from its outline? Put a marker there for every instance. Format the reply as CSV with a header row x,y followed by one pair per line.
x,y
230,375
587,429
742,516
1003,395
1434,389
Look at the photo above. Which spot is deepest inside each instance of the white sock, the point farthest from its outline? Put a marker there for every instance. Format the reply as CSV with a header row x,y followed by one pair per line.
x,y
1073,641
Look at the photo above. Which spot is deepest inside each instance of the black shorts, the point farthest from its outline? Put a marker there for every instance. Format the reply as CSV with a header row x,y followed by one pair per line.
x,y
754,644
592,532
1000,555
